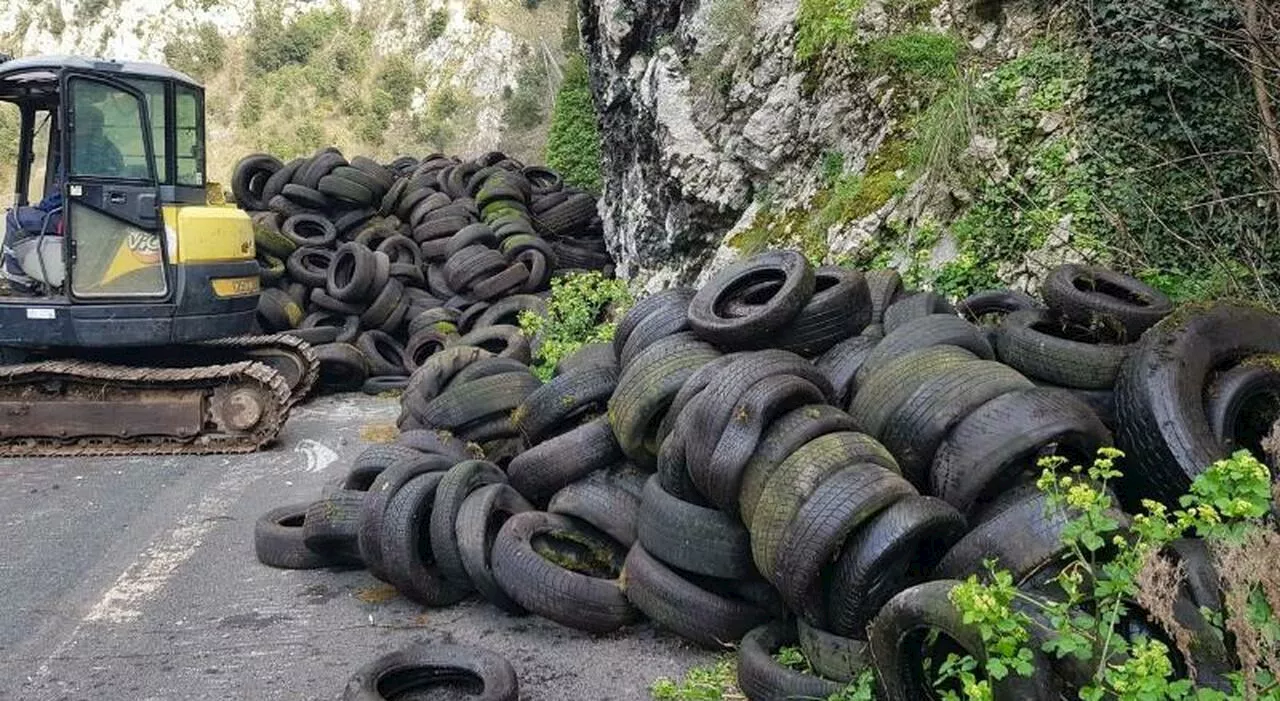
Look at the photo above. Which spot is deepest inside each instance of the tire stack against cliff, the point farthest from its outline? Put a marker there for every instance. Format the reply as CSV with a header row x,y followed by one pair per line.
x,y
791,444
380,266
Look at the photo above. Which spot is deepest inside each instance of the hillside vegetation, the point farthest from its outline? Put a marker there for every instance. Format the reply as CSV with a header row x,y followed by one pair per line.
x,y
380,77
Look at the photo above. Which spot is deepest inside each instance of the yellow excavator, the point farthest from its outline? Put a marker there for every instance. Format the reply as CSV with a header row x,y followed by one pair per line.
x,y
129,291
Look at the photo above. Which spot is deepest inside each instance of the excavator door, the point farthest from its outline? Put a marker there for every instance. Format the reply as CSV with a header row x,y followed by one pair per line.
x,y
114,245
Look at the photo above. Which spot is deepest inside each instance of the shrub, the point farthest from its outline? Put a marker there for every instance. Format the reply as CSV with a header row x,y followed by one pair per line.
x,y
436,24
524,105
272,45
199,54
396,78
583,308
573,143
476,12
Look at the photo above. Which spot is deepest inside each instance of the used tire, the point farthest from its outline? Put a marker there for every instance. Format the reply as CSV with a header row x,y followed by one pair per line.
x,y
332,525
986,450
602,503
1163,429
898,548
917,426
545,469
832,656
278,540
763,678
841,504
455,486
784,437
675,602
407,673
1036,345
592,601
1093,295
922,332
408,555
693,538
898,647
791,485
479,520
706,315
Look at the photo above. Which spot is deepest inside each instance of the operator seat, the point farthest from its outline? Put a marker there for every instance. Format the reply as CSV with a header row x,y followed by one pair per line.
x,y
32,252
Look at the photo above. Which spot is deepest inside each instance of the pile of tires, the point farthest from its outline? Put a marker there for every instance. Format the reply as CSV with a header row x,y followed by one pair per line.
x,y
379,266
793,455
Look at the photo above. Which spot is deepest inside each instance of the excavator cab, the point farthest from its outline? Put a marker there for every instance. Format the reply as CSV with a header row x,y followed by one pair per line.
x,y
109,240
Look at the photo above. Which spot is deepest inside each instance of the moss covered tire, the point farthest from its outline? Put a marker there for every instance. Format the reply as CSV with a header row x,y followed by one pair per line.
x,y
791,485
835,657
841,504
691,537
645,391
484,675
923,332
784,436
591,600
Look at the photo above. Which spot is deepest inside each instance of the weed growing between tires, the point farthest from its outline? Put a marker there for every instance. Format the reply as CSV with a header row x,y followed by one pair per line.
x,y
1116,572
583,308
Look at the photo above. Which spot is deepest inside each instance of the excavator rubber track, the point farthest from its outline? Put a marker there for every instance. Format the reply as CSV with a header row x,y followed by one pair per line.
x,y
291,356
82,408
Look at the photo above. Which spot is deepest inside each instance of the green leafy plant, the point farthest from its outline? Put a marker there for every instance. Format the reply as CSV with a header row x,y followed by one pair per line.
x,y
715,682
1114,571
583,308
573,142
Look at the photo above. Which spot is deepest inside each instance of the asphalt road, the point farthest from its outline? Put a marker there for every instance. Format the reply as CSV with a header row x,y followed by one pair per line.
x,y
134,578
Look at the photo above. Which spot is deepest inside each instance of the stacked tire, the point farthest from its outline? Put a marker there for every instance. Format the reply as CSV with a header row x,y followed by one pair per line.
x,y
801,456
380,266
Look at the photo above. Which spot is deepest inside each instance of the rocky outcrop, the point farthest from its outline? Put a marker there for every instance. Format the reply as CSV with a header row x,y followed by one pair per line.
x,y
710,123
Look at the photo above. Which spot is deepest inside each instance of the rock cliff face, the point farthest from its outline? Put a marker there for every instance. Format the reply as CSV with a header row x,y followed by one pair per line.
x,y
716,134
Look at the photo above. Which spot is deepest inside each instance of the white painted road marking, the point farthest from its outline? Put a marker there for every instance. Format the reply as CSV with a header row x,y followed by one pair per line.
x,y
319,456
153,568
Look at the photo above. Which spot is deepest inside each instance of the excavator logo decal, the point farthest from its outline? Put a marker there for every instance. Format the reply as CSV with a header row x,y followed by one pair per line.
x,y
145,247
